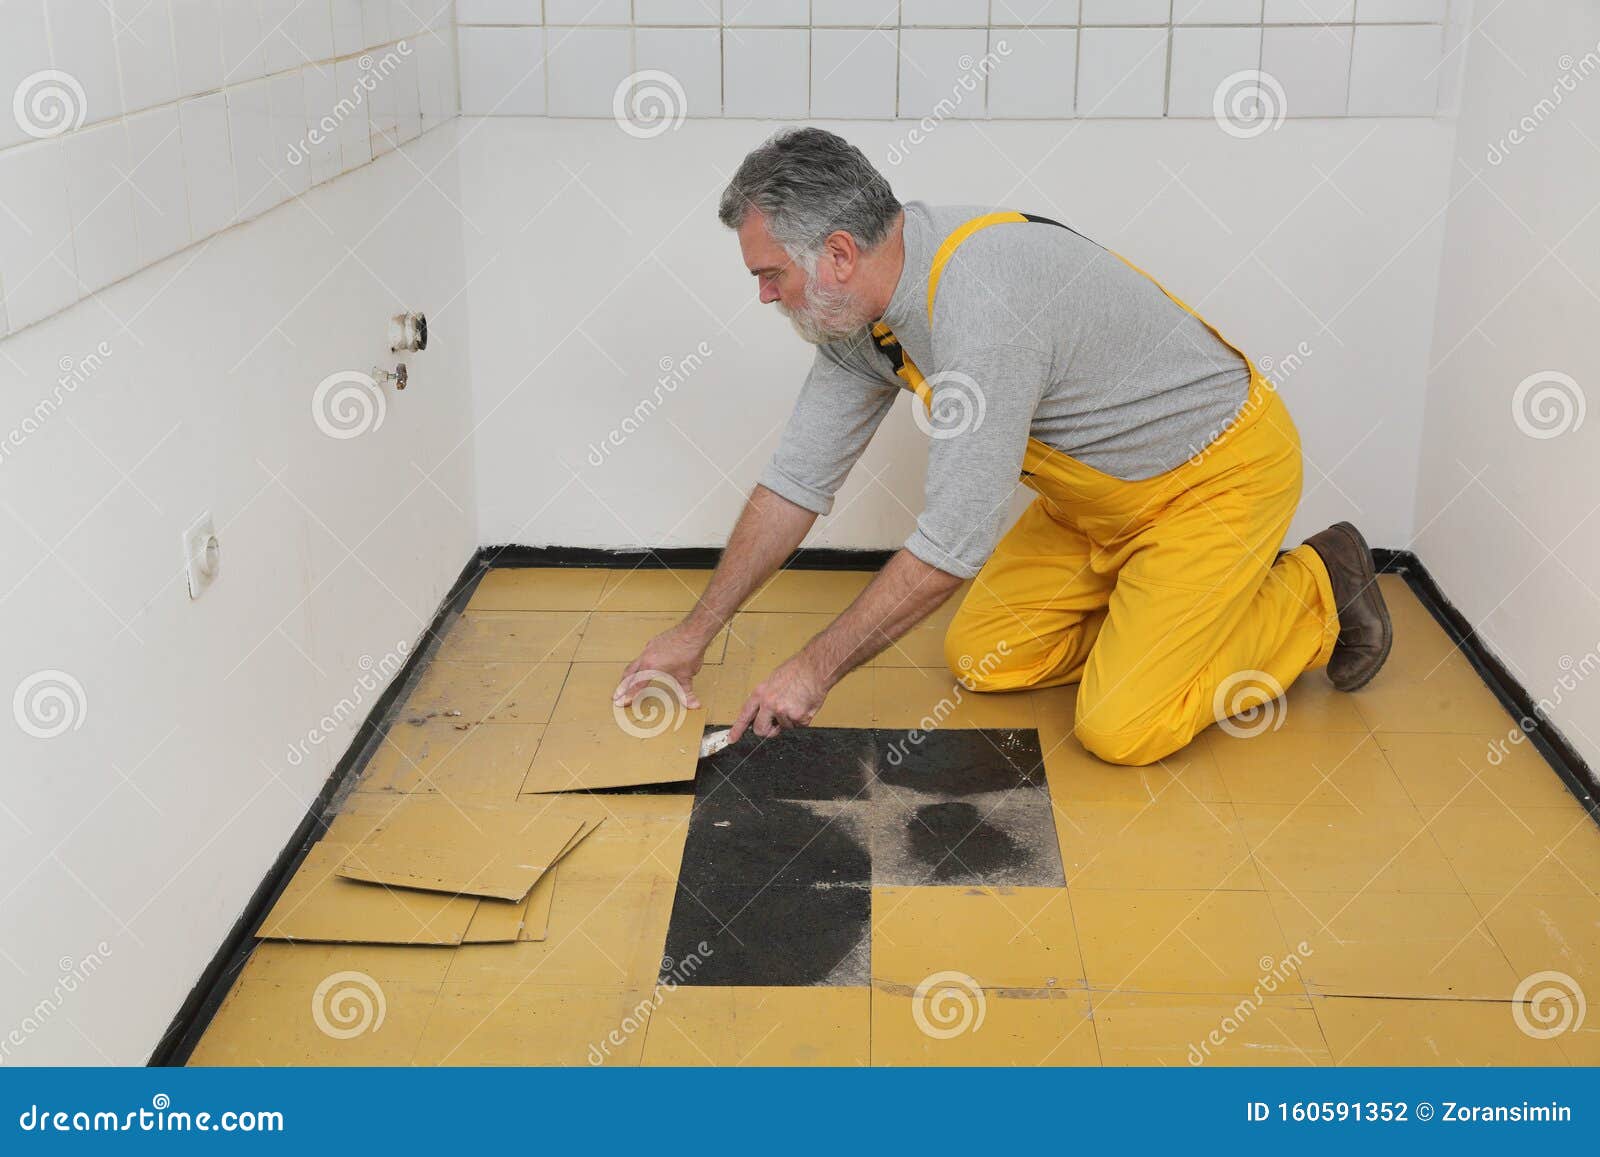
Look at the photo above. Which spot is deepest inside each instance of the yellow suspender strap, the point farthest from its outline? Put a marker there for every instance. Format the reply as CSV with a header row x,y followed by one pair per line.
x,y
947,249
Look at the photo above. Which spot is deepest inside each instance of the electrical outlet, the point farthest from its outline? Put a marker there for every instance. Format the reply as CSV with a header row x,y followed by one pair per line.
x,y
202,555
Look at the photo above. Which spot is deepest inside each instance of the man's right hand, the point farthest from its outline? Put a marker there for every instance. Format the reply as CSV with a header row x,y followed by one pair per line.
x,y
677,653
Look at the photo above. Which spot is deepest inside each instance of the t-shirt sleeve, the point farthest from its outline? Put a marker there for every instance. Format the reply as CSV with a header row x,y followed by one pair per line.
x,y
983,406
839,409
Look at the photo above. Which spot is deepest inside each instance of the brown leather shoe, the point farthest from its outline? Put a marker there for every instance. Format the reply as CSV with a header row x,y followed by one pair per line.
x,y
1365,633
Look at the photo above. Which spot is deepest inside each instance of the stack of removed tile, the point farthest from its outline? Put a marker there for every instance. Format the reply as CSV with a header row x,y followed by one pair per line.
x,y
431,870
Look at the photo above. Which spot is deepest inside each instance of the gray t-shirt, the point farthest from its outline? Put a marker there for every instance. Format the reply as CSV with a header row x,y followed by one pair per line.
x,y
1037,332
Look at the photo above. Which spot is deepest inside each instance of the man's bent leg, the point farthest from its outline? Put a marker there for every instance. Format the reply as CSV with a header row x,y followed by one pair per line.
x,y
1033,612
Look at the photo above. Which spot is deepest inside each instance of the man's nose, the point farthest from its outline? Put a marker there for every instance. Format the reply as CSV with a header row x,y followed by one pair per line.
x,y
769,294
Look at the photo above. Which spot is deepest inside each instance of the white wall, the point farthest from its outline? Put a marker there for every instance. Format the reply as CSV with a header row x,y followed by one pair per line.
x,y
149,820
1509,510
596,257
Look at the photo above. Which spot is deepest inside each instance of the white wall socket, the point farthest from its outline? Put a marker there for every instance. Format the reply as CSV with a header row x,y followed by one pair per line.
x,y
202,555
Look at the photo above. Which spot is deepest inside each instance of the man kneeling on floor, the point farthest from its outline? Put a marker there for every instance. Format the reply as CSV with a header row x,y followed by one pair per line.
x,y
1167,468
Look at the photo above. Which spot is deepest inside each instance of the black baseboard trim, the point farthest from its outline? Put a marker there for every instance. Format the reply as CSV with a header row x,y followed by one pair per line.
x,y
178,1042
206,997
1557,750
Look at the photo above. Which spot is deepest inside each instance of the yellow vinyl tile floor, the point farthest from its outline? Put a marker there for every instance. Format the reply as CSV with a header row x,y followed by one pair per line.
x,y
1388,877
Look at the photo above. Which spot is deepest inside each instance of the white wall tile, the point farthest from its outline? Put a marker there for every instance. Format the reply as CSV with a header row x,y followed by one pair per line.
x,y
197,39
698,12
1395,70
692,57
941,68
375,22
1312,65
1380,11
1122,72
242,59
765,72
160,202
250,138
586,65
585,12
355,130
286,99
408,100
348,35
24,51
320,151
950,13
207,164
143,36
1202,58
855,13
436,76
81,43
101,203
1216,11
1037,74
498,12
853,73
383,109
37,270
1032,12
1308,11
502,71
1126,11
749,12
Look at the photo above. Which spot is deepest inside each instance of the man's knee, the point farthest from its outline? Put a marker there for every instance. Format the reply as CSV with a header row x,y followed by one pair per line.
x,y
1113,729
977,657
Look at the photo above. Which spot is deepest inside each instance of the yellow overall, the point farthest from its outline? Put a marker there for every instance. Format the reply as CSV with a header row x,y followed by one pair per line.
x,y
1165,599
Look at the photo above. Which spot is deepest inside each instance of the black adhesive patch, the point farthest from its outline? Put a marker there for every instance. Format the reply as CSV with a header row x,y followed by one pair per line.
x,y
956,763
788,834
811,763
771,936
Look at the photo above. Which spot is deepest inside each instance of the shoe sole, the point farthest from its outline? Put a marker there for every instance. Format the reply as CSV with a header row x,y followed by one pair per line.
x,y
1369,590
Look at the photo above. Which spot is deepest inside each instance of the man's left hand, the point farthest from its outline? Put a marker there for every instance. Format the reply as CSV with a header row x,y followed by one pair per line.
x,y
789,697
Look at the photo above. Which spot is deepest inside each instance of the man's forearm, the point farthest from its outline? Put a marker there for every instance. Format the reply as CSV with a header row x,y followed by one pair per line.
x,y
906,591
769,529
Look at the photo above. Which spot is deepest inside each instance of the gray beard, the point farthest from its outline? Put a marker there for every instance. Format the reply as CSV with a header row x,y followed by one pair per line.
x,y
827,315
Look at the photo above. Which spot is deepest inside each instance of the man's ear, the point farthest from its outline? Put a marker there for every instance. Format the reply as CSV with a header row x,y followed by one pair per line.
x,y
841,253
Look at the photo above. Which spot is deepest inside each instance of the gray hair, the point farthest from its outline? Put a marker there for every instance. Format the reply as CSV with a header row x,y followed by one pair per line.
x,y
809,183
